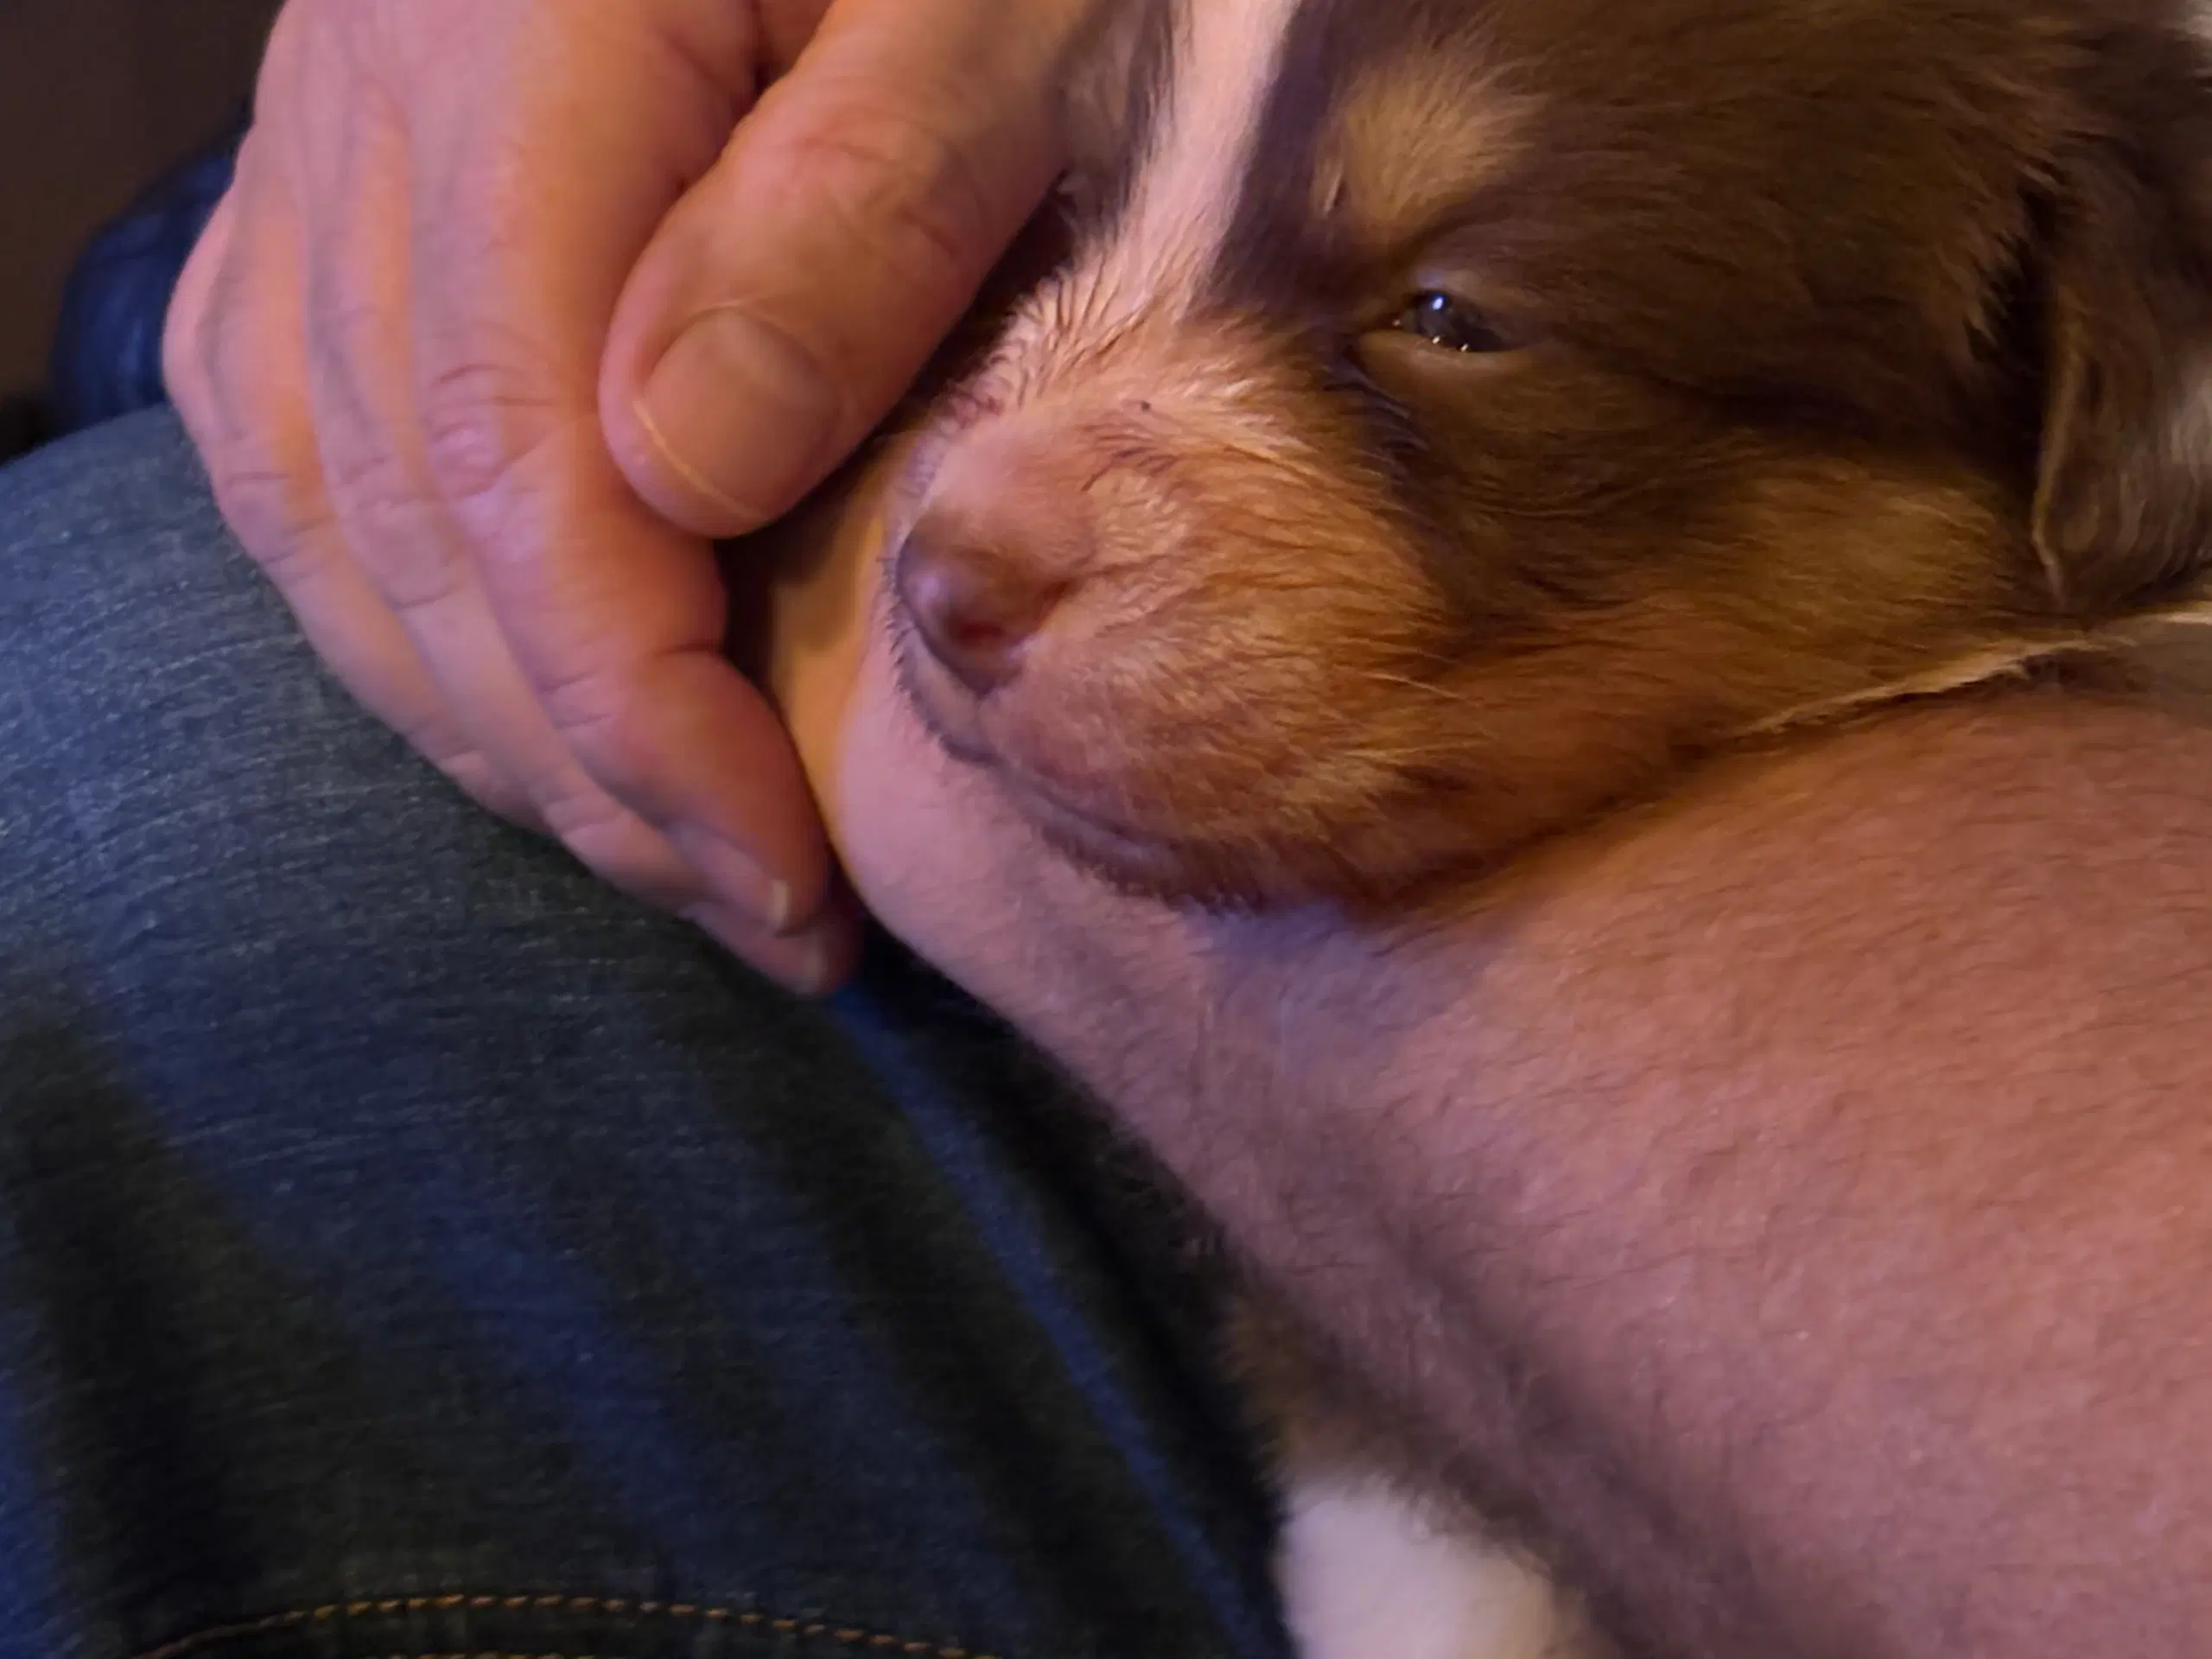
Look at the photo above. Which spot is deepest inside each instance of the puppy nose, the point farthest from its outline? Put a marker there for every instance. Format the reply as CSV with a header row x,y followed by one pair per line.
x,y
976,608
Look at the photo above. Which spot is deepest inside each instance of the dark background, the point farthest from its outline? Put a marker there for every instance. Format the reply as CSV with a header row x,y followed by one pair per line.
x,y
98,96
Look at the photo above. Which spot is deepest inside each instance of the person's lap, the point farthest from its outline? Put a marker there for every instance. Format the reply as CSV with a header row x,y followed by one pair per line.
x,y
410,1246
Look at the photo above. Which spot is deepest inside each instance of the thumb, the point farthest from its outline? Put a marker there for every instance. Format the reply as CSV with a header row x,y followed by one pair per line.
x,y
789,299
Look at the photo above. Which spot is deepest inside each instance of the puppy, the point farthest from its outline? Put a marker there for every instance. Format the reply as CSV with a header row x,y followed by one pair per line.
x,y
1451,418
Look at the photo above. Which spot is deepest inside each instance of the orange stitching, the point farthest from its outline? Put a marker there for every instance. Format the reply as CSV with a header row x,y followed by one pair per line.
x,y
844,1635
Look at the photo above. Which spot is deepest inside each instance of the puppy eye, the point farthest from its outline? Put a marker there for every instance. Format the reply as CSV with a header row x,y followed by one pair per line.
x,y
1444,320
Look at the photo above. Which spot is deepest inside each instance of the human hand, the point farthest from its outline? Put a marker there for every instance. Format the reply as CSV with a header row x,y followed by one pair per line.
x,y
515,302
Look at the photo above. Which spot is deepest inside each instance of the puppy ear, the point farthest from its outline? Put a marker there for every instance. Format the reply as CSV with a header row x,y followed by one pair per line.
x,y
2123,501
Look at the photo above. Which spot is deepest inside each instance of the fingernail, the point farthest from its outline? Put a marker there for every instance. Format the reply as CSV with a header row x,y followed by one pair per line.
x,y
814,975
738,410
738,878
806,964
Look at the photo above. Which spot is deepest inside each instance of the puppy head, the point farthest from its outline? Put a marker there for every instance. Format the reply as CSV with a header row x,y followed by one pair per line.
x,y
1453,412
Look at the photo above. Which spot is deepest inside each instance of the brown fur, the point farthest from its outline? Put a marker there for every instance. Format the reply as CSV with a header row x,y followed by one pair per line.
x,y
1865,347
1862,350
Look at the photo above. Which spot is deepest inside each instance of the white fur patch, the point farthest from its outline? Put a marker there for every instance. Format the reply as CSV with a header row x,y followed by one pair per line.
x,y
1110,333
1197,159
1365,1574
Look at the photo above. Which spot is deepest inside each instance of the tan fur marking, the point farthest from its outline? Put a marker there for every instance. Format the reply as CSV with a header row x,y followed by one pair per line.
x,y
1409,139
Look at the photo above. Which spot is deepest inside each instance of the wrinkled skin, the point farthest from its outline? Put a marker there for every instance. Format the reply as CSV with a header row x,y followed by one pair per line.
x,y
515,303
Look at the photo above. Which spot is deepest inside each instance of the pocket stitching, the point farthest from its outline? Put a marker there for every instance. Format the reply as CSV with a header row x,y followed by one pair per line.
x,y
849,1636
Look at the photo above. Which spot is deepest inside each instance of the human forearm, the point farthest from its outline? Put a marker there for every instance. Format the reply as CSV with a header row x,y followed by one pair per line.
x,y
1847,1202
1830,1150
1793,1195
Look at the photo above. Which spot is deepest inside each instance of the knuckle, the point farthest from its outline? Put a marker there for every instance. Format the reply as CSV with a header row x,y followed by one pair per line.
x,y
583,816
373,477
613,725
216,365
393,530
364,476
474,774
184,351
263,507
483,419
345,329
236,396
621,848
608,727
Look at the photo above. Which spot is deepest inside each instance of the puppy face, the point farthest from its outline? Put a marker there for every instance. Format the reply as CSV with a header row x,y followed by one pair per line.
x,y
1453,413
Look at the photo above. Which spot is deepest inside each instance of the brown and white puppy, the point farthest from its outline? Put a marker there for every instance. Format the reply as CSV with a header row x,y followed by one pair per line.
x,y
1452,415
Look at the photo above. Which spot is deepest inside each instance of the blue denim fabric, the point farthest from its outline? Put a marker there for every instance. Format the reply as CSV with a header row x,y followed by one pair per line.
x,y
409,1246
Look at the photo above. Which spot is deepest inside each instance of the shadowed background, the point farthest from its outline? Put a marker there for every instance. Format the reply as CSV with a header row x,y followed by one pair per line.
x,y
96,97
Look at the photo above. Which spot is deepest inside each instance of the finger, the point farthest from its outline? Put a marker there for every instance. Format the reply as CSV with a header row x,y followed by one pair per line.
x,y
812,962
615,616
353,175
184,327
796,292
232,348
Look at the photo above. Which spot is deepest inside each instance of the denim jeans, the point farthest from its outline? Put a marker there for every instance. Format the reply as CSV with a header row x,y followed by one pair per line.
x,y
410,1246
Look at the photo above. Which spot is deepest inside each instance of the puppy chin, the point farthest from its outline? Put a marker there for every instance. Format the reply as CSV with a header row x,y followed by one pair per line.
x,y
1141,863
